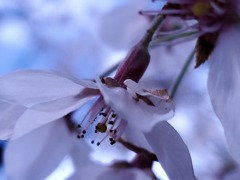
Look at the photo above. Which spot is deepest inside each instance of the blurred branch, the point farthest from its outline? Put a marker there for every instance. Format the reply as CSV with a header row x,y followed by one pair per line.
x,y
181,75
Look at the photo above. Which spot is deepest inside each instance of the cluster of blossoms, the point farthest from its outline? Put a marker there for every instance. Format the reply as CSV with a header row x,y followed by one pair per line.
x,y
34,101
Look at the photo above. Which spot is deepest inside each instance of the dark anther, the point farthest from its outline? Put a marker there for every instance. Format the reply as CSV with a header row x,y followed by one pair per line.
x,y
84,132
110,139
103,80
78,136
82,136
98,143
96,127
92,142
114,115
102,109
111,122
103,114
96,131
79,126
112,142
110,130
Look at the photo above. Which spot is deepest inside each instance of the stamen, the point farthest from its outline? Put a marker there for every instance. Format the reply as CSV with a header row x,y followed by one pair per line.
x,y
217,9
175,12
212,28
180,40
116,134
103,139
149,13
99,104
194,26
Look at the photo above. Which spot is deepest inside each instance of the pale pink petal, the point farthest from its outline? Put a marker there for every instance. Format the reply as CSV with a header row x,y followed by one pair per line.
x,y
37,154
123,174
224,85
162,102
135,136
89,172
171,151
41,114
80,154
9,115
137,113
32,87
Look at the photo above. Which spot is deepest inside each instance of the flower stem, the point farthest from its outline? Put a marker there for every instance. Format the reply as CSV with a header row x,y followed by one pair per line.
x,y
150,32
169,38
181,75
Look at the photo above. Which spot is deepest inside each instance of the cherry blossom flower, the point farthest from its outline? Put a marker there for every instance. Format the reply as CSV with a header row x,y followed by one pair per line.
x,y
43,97
41,103
40,97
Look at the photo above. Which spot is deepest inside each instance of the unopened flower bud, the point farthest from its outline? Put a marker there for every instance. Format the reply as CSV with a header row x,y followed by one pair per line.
x,y
135,64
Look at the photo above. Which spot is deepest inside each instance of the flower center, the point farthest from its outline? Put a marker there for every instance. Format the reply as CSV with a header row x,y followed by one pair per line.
x,y
106,121
200,9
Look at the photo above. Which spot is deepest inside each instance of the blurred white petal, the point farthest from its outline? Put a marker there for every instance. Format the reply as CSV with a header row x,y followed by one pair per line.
x,y
37,154
112,32
48,96
90,172
224,85
137,113
123,173
32,87
33,119
136,137
9,115
161,101
171,151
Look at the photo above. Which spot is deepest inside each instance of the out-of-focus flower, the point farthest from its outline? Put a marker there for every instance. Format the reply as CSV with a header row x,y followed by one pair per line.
x,y
122,34
224,87
217,25
37,154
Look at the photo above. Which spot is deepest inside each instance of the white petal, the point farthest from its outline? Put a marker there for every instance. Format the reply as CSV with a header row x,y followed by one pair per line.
x,y
37,154
135,136
32,87
123,173
47,112
133,87
171,151
80,154
162,102
90,172
137,113
9,115
224,85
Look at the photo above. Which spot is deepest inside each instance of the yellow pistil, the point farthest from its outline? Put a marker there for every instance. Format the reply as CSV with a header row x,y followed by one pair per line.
x,y
201,8
101,127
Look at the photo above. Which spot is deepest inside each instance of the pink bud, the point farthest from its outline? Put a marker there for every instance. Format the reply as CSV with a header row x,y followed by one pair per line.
x,y
135,64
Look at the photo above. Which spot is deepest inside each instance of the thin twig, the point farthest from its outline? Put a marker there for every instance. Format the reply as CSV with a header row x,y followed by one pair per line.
x,y
181,75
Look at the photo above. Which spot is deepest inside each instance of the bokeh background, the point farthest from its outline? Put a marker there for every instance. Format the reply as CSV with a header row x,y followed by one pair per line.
x,y
85,38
